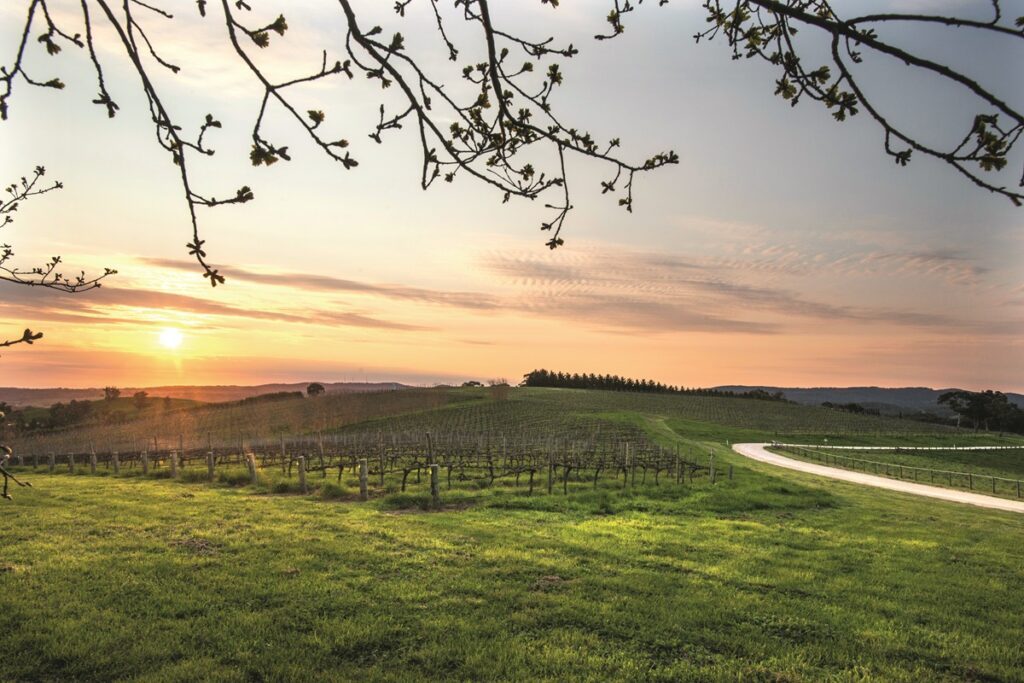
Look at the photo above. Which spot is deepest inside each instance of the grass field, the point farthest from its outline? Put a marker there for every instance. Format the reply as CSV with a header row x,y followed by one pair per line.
x,y
773,576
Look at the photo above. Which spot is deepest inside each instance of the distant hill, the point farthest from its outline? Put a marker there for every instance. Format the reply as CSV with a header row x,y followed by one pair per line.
x,y
20,398
887,401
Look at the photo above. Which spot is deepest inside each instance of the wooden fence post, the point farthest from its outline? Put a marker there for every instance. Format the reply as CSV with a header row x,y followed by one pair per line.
x,y
284,456
210,464
52,461
711,467
302,474
364,468
71,463
382,463
116,462
92,462
254,476
145,462
35,461
435,485
174,464
551,472
323,467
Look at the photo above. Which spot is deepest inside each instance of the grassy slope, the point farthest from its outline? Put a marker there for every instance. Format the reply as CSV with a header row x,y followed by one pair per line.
x,y
773,576
227,423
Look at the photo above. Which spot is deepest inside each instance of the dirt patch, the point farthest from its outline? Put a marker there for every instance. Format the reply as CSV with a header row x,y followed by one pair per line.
x,y
549,582
196,546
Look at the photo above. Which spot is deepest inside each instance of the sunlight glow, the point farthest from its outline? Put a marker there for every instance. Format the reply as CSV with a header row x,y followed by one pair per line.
x,y
171,338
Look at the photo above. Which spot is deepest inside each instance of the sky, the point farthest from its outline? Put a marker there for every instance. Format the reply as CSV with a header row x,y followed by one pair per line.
x,y
784,249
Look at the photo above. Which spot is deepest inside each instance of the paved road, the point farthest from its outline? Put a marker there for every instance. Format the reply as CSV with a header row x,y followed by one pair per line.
x,y
757,451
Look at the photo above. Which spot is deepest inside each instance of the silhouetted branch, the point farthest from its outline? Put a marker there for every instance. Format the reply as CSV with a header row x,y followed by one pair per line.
x,y
502,129
46,275
766,29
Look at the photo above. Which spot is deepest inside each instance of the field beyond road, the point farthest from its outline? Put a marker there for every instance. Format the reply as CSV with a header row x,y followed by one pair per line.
x,y
769,576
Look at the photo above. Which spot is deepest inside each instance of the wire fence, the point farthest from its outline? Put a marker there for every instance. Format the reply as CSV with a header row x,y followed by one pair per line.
x,y
985,483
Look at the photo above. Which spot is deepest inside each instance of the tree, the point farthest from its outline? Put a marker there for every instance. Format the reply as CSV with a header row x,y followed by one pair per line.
x,y
499,388
495,124
66,414
111,393
984,409
315,389
139,399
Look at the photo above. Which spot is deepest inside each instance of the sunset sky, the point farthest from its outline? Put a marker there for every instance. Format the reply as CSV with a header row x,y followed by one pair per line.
x,y
784,249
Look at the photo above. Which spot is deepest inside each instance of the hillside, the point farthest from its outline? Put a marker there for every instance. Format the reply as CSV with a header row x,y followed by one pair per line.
x,y
889,401
757,575
20,398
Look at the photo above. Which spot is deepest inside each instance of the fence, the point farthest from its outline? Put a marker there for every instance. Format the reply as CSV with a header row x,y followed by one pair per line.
x,y
969,480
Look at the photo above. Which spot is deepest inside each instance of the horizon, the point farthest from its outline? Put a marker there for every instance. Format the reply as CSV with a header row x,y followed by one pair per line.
x,y
455,382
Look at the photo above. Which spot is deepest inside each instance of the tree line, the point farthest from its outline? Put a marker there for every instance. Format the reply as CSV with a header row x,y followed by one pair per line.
x,y
988,410
565,380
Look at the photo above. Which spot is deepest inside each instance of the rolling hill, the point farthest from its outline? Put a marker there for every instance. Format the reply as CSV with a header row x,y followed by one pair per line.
x,y
889,401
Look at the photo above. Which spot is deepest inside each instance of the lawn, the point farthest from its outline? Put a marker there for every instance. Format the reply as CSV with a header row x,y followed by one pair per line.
x,y
774,576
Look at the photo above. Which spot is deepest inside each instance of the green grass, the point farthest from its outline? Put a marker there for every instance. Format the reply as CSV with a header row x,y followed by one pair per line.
x,y
771,576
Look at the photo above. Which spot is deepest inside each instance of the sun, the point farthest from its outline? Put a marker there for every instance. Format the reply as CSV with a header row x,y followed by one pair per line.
x,y
171,338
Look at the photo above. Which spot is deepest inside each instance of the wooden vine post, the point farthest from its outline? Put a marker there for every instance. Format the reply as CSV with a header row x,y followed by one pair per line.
x,y
302,474
210,462
435,485
250,461
364,471
551,473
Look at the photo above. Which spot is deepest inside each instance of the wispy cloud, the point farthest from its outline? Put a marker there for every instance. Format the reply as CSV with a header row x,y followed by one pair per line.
x,y
303,281
644,289
949,266
106,305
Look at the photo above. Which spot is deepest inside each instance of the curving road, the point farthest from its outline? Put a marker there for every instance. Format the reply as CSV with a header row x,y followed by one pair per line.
x,y
757,451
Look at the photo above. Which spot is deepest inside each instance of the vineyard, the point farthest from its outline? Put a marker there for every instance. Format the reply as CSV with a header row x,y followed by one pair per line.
x,y
215,426
386,442
475,447
228,424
